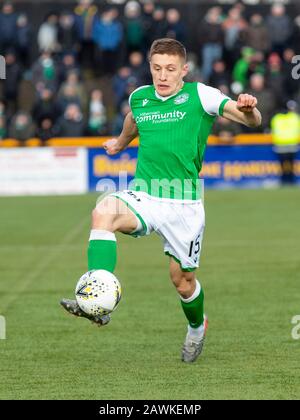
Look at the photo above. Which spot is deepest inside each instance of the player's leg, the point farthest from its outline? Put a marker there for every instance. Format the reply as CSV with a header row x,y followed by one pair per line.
x,y
109,216
190,293
192,302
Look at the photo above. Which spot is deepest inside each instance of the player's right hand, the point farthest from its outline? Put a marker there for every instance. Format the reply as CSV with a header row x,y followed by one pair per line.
x,y
111,146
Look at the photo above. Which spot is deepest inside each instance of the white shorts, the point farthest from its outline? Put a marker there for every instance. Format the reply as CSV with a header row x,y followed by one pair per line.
x,y
179,223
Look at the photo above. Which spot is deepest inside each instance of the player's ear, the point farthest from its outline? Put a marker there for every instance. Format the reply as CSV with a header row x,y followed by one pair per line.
x,y
185,69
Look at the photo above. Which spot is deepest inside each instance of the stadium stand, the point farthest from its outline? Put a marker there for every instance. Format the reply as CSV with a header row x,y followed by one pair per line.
x,y
71,69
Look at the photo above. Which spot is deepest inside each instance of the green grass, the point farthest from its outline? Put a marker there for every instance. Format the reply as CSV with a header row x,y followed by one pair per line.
x,y
250,269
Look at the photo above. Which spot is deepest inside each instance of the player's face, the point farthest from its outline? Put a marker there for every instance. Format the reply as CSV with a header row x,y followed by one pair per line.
x,y
167,73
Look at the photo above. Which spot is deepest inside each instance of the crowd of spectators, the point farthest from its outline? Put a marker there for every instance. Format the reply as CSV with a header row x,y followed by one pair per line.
x,y
77,49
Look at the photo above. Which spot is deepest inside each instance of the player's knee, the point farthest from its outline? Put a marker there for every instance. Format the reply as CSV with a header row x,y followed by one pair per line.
x,y
102,220
184,283
178,275
186,289
96,216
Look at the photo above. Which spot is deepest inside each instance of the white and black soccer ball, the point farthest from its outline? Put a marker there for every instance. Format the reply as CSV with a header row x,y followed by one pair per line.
x,y
98,292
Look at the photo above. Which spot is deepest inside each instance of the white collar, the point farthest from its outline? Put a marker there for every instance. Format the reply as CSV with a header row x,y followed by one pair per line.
x,y
165,98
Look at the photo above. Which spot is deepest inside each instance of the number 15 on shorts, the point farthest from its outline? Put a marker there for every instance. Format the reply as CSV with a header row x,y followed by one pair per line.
x,y
195,248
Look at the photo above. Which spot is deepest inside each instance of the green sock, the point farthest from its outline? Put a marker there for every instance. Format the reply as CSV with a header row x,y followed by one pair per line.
x,y
102,251
193,307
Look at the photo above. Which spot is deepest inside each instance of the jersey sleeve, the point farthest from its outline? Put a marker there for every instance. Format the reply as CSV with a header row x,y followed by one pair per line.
x,y
212,99
130,99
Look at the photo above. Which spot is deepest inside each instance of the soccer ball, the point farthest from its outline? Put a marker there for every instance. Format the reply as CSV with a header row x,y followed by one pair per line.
x,y
98,292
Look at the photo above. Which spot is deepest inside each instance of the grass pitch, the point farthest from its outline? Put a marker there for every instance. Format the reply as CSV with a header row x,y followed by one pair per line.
x,y
250,271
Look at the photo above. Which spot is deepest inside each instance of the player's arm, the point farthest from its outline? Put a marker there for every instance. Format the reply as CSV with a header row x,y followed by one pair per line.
x,y
129,132
243,111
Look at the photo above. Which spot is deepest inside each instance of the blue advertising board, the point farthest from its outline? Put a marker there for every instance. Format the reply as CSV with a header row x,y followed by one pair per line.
x,y
241,166
111,172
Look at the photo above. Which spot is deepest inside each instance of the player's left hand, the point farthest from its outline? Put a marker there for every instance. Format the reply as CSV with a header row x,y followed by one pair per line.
x,y
246,103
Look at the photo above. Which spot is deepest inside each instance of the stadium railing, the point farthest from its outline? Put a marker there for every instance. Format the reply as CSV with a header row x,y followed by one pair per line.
x,y
242,139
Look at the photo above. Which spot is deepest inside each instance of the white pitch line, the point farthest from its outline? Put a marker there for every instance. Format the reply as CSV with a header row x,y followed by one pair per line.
x,y
51,257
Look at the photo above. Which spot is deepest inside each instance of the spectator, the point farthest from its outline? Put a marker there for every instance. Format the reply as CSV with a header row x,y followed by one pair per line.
x,y
79,89
8,25
46,107
3,119
118,121
290,85
85,16
265,98
211,38
68,95
194,74
139,69
225,89
233,26
45,72
285,131
130,87
159,25
148,9
297,98
134,27
256,35
68,65
257,64
47,129
47,34
71,124
3,131
67,33
279,27
23,38
97,114
21,127
220,75
275,79
119,84
294,41
2,108
107,35
241,68
175,27
12,81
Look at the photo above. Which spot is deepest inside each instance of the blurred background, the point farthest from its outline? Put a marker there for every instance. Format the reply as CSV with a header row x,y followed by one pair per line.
x,y
71,66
